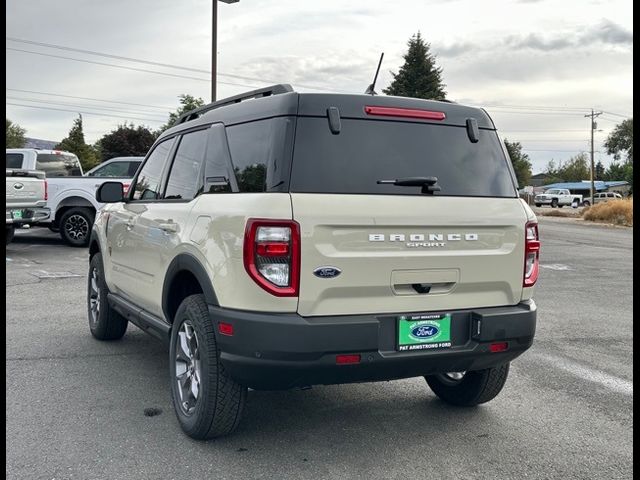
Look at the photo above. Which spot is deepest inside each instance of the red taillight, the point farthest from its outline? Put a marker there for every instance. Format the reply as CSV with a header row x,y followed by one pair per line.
x,y
46,190
272,255
404,112
273,249
531,254
498,347
347,359
125,188
225,328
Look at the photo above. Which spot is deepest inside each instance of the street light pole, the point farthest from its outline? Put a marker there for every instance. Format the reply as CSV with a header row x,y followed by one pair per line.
x,y
214,45
214,49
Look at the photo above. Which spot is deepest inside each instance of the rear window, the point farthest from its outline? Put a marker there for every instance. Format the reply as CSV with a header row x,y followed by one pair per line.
x,y
14,160
366,151
59,165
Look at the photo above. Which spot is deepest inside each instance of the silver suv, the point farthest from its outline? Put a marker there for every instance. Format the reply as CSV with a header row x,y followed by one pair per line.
x,y
277,240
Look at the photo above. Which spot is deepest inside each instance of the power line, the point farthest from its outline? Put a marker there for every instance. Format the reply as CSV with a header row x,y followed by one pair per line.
x,y
50,102
616,114
567,114
85,112
89,98
157,64
554,150
175,75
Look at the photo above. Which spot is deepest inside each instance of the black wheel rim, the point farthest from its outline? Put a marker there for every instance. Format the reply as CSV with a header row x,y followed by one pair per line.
x,y
77,227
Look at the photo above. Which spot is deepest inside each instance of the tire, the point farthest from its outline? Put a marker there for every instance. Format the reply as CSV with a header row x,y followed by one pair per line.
x,y
104,322
586,203
472,389
560,206
75,226
216,408
538,205
554,203
10,233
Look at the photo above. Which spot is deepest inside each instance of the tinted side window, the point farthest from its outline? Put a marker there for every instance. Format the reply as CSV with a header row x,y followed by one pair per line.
x,y
185,181
115,169
14,160
148,182
133,168
218,174
58,165
260,154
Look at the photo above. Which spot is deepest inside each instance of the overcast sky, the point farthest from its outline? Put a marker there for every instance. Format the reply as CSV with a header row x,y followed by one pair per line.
x,y
561,57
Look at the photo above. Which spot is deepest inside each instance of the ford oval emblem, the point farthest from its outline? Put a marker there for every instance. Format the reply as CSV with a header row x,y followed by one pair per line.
x,y
18,186
424,331
327,272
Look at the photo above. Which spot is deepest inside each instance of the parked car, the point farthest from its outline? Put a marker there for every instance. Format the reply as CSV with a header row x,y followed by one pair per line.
x,y
26,199
71,196
606,196
123,167
559,197
301,239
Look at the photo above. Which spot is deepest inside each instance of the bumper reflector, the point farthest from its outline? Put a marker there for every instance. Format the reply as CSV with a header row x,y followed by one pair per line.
x,y
498,347
225,328
347,359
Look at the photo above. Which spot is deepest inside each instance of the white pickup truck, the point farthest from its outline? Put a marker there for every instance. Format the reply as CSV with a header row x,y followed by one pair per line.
x,y
71,196
558,197
26,199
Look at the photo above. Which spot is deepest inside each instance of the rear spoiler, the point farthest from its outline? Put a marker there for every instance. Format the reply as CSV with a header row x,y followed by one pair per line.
x,y
11,172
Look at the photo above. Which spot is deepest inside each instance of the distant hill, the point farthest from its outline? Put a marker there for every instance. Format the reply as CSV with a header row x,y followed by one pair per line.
x,y
38,143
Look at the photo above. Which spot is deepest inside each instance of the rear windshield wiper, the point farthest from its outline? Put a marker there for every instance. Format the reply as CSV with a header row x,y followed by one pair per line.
x,y
428,184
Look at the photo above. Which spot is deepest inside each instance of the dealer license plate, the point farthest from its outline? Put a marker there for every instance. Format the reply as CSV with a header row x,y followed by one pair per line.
x,y
424,332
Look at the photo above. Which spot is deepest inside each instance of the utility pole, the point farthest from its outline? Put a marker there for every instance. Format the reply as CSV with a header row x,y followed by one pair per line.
x,y
594,125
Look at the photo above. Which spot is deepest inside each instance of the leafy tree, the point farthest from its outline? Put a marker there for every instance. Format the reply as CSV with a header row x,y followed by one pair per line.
x,y
419,77
620,141
125,141
15,135
599,171
187,103
553,172
520,161
75,143
575,169
620,171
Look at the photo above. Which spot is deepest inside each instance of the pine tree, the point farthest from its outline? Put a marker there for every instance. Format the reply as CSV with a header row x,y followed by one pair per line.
x,y
419,77
75,143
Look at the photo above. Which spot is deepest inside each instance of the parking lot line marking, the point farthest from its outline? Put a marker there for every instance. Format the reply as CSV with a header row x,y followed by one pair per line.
x,y
616,384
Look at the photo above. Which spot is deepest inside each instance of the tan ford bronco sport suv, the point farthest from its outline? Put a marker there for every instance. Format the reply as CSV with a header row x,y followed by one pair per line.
x,y
278,239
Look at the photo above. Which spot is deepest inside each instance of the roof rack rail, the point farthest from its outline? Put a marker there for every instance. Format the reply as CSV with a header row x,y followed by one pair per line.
x,y
258,93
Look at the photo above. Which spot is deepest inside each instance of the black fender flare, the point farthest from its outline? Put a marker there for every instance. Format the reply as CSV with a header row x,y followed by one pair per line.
x,y
189,263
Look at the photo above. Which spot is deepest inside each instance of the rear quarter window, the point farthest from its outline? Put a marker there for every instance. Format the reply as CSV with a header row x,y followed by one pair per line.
x,y
14,160
59,165
366,151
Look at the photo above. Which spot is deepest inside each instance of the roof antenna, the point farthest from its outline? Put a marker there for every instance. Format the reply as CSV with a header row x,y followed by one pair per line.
x,y
370,89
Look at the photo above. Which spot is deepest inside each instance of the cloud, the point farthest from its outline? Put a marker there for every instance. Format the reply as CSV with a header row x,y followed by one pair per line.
x,y
606,32
453,49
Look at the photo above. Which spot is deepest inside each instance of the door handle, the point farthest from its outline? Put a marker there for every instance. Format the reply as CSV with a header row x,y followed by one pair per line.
x,y
168,227
128,226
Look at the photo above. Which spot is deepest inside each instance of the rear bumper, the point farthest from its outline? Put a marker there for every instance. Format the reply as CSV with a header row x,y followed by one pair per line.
x,y
26,215
280,351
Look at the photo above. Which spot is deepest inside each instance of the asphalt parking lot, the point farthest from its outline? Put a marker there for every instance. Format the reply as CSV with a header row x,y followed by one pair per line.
x,y
75,406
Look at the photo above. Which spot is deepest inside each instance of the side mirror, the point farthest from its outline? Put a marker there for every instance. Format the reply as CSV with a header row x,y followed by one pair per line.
x,y
110,192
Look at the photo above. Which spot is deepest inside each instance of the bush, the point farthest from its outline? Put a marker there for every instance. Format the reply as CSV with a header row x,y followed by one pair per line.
x,y
554,213
618,212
